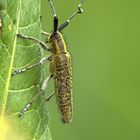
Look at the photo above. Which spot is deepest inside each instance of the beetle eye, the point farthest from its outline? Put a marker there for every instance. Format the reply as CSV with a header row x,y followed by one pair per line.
x,y
53,35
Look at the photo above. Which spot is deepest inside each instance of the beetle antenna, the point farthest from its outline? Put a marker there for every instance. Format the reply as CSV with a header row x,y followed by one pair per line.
x,y
80,10
55,16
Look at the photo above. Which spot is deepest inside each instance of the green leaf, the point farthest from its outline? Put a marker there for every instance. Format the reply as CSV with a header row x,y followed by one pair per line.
x,y
21,16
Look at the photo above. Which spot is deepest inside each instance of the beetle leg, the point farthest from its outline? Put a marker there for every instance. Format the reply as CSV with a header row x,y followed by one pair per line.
x,y
42,44
45,33
50,96
42,61
44,86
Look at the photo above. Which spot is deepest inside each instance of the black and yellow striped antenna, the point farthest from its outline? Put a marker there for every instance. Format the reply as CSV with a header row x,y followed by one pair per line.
x,y
80,10
55,16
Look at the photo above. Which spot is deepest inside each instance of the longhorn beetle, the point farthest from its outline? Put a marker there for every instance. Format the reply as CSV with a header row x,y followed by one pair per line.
x,y
60,67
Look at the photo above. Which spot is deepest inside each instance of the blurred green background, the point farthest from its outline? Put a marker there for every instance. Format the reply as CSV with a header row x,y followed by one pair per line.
x,y
104,43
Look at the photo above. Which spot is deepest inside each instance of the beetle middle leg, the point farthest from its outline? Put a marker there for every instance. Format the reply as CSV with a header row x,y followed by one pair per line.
x,y
42,61
43,87
50,96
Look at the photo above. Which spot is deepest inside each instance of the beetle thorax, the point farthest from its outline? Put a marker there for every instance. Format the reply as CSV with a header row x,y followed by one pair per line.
x,y
57,43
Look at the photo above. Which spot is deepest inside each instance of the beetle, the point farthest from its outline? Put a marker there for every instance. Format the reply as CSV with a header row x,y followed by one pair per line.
x,y
60,67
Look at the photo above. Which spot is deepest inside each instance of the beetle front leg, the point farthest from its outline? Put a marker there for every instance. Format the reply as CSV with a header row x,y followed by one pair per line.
x,y
45,33
42,44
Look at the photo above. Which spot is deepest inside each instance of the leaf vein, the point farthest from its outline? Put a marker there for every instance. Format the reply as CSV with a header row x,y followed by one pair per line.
x,y
28,25
26,64
9,17
23,90
5,96
27,46
7,51
6,48
16,113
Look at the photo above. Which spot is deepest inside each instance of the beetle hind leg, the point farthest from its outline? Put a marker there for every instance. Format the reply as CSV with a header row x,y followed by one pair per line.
x,y
43,87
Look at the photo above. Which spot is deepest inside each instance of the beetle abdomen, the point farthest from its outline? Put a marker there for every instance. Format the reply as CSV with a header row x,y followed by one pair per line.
x,y
63,85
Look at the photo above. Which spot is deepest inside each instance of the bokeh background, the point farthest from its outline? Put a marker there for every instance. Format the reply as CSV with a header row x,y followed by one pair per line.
x,y
105,46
